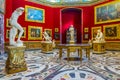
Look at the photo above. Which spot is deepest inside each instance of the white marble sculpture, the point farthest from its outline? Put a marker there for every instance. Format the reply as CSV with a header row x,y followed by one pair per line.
x,y
99,37
71,30
16,26
47,37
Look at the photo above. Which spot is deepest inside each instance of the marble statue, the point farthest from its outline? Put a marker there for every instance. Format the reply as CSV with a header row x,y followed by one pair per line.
x,y
47,37
99,37
16,26
71,30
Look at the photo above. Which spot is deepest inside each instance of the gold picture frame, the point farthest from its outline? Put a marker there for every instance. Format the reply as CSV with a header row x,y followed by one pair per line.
x,y
94,31
109,12
112,31
7,23
23,35
49,31
56,30
86,29
34,14
34,33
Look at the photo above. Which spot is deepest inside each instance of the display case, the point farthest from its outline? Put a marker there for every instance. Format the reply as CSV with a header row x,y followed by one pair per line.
x,y
1,33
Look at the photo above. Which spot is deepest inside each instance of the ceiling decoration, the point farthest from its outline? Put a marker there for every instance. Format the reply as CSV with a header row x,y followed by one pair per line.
x,y
59,3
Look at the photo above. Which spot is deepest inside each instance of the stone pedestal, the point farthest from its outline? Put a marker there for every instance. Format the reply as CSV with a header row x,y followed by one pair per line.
x,y
15,61
46,46
98,47
72,42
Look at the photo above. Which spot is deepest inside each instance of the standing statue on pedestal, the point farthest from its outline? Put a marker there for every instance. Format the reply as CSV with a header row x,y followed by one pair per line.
x,y
99,37
72,37
16,26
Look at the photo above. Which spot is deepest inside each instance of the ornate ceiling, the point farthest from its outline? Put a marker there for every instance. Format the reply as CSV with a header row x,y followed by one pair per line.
x,y
59,3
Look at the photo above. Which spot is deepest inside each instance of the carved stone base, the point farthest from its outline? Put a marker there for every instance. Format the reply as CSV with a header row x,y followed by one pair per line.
x,y
46,47
99,48
72,42
15,61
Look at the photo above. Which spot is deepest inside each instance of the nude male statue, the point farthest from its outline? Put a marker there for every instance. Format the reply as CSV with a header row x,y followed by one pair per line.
x,y
16,26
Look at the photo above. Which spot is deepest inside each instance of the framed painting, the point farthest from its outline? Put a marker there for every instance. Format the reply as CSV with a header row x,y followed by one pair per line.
x,y
34,33
23,35
86,29
56,35
7,23
112,31
56,30
86,36
34,14
49,31
109,12
7,33
94,31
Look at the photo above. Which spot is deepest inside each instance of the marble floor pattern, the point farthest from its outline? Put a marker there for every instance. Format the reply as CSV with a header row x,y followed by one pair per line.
x,y
48,66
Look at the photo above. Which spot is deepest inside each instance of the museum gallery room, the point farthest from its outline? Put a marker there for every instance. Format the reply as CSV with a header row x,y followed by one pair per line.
x,y
59,39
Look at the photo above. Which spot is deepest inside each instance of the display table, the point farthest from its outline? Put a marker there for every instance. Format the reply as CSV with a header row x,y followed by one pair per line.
x,y
98,47
15,61
46,46
72,47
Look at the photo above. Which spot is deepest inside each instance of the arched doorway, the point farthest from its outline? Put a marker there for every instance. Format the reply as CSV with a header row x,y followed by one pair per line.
x,y
71,16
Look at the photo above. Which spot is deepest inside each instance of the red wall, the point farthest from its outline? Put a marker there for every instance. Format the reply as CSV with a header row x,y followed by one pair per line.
x,y
11,5
52,17
102,24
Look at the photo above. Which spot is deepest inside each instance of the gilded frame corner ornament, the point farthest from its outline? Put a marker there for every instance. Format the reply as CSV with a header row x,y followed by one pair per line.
x,y
34,33
49,31
109,12
34,14
94,31
112,31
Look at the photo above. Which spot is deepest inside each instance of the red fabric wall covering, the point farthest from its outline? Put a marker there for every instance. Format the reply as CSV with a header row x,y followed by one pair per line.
x,y
110,23
21,3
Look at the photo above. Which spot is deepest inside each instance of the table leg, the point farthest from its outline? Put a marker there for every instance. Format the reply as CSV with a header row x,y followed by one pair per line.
x,y
88,53
60,53
68,54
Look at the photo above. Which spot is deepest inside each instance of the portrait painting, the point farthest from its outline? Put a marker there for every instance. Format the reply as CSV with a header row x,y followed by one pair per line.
x,y
86,36
86,29
49,31
56,29
109,12
94,31
34,14
34,33
56,35
112,31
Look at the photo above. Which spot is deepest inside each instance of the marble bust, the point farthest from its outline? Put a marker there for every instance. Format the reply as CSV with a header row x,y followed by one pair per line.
x,y
99,37
16,26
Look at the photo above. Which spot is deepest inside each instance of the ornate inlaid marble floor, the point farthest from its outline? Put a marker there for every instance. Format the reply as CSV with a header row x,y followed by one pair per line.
x,y
43,66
